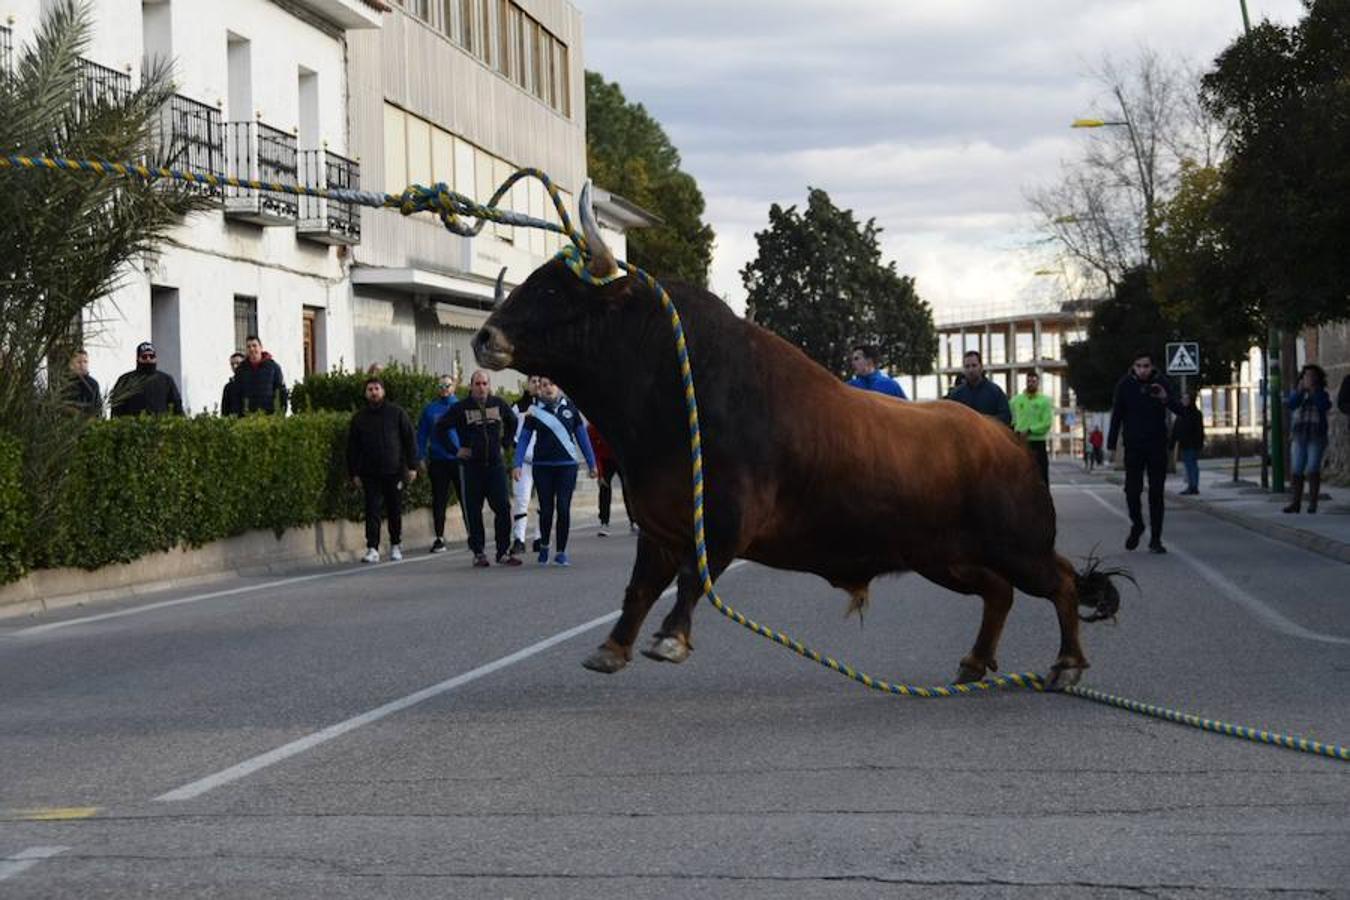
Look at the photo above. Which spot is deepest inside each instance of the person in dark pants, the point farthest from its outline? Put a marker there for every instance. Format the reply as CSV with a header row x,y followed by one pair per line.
x,y
1188,433
81,392
978,392
381,454
560,440
229,395
259,384
1032,417
485,425
440,450
1142,400
146,389
607,466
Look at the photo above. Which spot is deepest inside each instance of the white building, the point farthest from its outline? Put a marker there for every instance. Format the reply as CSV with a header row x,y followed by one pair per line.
x,y
463,92
362,94
262,93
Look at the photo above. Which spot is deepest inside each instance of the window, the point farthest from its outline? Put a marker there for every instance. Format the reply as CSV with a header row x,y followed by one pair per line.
x,y
395,150
313,334
245,319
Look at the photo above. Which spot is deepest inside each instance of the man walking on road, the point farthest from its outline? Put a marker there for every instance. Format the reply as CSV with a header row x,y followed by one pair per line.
x,y
978,392
1032,417
1142,400
484,424
381,454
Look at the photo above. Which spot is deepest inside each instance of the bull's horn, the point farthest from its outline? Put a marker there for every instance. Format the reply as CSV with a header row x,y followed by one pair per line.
x,y
498,294
602,261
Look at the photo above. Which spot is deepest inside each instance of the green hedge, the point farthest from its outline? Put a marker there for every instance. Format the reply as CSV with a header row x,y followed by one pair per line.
x,y
13,512
342,391
136,486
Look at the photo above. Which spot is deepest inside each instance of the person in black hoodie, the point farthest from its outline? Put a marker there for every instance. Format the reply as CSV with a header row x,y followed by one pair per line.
x,y
381,455
485,425
229,397
145,388
1188,433
81,392
1142,400
259,384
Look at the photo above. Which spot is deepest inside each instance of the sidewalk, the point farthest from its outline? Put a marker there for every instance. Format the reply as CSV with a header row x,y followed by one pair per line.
x,y
1244,502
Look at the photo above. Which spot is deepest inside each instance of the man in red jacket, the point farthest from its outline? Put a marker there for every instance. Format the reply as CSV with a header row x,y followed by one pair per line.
x,y
608,466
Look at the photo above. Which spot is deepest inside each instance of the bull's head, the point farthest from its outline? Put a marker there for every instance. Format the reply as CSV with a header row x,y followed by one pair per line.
x,y
554,319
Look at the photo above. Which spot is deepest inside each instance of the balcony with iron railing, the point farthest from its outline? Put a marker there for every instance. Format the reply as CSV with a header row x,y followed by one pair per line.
x,y
259,152
323,220
100,86
191,138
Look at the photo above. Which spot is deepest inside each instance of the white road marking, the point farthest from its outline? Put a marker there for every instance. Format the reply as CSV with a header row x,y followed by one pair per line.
x,y
1254,606
26,859
249,766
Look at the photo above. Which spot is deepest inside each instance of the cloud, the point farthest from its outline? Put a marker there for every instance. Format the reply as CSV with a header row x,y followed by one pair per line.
x,y
932,118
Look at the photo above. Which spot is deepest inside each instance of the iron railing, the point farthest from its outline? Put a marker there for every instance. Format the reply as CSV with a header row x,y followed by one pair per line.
x,y
256,151
100,86
326,169
6,50
192,138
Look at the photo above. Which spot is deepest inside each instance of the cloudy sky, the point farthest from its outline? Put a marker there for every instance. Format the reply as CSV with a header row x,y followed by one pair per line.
x,y
931,116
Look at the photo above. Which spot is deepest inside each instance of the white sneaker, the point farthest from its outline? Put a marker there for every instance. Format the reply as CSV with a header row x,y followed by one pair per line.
x,y
372,556
603,532
396,552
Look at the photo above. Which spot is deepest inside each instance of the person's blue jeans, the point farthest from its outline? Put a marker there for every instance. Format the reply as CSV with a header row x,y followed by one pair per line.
x,y
1308,456
1191,460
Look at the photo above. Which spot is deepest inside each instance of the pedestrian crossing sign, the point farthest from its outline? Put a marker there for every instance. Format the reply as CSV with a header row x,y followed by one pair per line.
x,y
1183,358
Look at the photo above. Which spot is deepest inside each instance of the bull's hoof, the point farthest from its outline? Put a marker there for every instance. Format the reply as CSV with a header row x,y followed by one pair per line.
x,y
966,674
605,660
667,649
1062,678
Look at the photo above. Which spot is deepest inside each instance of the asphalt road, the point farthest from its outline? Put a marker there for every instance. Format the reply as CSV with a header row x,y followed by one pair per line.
x,y
424,729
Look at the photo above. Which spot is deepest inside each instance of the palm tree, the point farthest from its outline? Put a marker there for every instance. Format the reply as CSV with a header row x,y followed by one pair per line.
x,y
69,239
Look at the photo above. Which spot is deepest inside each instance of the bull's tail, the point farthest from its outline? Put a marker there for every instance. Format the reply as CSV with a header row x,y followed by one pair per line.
x,y
1096,591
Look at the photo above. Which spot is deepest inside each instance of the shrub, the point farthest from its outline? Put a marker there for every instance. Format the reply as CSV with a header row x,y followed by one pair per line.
x,y
13,512
136,486
343,391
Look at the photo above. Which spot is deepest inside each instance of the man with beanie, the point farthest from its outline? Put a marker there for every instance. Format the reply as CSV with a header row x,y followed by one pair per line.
x,y
145,388
259,384
381,456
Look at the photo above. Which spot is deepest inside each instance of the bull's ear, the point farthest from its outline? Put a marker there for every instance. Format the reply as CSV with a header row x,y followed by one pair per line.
x,y
601,263
498,294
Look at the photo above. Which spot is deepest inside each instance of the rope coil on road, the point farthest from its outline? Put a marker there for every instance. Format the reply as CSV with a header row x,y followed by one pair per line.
x,y
451,207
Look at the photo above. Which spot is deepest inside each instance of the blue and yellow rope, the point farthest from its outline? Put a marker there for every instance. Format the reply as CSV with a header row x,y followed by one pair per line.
x,y
452,207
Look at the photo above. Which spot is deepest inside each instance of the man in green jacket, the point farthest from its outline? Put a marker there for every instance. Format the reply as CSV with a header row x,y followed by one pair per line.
x,y
1032,416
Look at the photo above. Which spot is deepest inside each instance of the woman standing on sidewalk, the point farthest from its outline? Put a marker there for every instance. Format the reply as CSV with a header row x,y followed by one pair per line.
x,y
560,442
1308,406
1188,433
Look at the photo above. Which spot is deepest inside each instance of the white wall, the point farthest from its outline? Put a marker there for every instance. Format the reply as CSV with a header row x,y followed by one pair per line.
x,y
209,260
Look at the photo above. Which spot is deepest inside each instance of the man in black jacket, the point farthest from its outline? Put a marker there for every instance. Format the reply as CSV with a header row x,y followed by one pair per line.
x,y
485,425
229,397
381,454
81,391
978,392
1142,400
145,388
258,381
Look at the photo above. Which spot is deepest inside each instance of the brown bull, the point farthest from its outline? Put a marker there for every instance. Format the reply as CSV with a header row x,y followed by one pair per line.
x,y
801,472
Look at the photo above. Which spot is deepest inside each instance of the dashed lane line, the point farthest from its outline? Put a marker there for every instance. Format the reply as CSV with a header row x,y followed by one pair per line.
x,y
26,859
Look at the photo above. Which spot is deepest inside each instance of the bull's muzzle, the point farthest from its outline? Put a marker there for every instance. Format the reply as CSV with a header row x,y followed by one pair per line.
x,y
491,348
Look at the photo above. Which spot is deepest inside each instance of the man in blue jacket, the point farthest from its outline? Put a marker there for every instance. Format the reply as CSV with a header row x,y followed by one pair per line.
x,y
440,449
866,376
1142,400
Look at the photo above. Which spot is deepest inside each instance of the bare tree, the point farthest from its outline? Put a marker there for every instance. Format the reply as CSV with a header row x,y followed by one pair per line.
x,y
1102,213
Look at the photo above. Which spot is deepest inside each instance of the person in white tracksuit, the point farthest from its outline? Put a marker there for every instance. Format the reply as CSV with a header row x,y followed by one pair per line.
x,y
520,497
